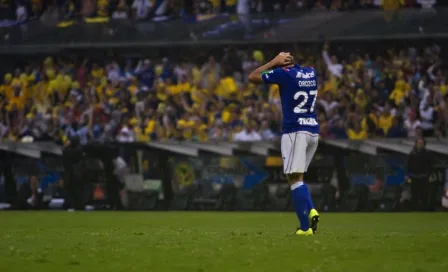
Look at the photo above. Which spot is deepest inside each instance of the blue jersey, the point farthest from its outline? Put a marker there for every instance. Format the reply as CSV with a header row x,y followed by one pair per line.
x,y
298,94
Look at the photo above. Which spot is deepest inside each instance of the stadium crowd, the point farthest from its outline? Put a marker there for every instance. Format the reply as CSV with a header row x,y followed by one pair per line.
x,y
22,10
402,93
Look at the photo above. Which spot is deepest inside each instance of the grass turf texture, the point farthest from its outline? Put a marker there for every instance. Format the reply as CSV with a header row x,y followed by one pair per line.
x,y
202,241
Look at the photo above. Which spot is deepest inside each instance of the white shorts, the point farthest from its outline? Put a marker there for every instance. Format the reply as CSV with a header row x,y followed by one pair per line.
x,y
298,149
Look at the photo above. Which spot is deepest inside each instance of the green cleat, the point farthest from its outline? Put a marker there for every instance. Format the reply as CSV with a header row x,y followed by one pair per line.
x,y
314,219
300,232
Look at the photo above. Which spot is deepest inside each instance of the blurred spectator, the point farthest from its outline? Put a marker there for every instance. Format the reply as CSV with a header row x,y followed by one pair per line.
x,y
427,4
396,130
121,169
248,134
126,135
411,124
58,196
141,8
203,7
328,103
385,121
266,132
122,11
356,133
427,115
68,10
88,8
59,191
419,170
30,195
102,8
332,63
21,12
211,71
338,131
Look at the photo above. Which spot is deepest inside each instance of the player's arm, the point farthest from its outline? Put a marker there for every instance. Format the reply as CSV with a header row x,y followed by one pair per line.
x,y
282,59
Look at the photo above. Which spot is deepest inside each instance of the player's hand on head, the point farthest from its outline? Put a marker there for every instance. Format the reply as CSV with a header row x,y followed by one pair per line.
x,y
283,59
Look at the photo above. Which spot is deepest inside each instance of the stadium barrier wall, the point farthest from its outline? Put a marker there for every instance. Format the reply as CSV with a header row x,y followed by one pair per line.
x,y
44,37
153,178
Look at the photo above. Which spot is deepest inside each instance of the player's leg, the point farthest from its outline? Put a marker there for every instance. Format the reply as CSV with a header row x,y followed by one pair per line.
x,y
312,143
294,162
299,194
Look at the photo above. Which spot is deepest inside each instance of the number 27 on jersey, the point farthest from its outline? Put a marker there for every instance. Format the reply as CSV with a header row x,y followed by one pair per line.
x,y
301,108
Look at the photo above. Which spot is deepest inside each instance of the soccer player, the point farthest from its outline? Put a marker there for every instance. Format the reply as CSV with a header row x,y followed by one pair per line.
x,y
298,93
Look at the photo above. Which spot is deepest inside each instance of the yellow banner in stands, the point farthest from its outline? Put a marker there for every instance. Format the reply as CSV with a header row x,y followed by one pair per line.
x,y
274,161
205,17
96,20
65,24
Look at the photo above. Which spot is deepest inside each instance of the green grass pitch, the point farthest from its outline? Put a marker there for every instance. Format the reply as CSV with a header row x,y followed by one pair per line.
x,y
220,241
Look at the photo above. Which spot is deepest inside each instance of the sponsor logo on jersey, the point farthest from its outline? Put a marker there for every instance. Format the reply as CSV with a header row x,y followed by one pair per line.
x,y
304,75
265,74
307,121
307,83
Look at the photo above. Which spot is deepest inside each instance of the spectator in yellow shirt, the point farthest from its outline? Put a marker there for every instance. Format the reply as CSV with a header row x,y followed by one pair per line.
x,y
198,94
133,86
150,126
226,88
397,95
196,75
16,79
103,8
361,99
400,83
17,100
385,121
5,88
187,133
184,86
369,123
97,71
210,72
274,93
229,114
401,89
171,88
390,5
356,133
201,133
161,92
185,121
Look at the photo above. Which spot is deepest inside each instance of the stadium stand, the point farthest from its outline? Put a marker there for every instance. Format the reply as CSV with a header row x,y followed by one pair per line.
x,y
363,94
12,12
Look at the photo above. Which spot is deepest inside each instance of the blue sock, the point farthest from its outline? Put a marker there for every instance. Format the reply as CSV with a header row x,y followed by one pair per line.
x,y
300,199
309,199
